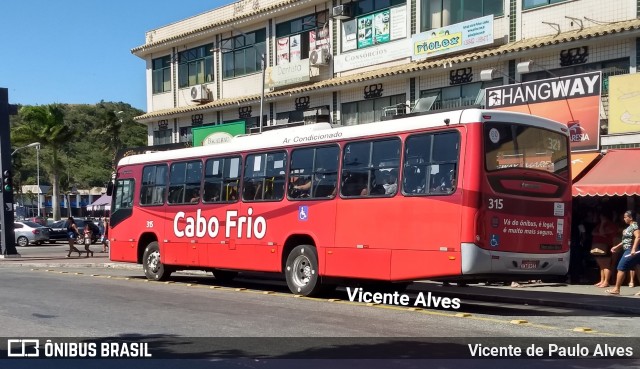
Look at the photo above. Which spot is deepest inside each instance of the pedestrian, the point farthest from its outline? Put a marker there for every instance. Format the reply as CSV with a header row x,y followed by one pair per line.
x,y
88,237
630,256
578,241
105,236
72,236
602,236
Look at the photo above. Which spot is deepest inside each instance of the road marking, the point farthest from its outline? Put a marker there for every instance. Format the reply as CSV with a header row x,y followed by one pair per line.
x,y
582,329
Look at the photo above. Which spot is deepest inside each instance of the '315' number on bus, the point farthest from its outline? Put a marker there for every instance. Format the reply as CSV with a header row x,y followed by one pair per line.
x,y
495,204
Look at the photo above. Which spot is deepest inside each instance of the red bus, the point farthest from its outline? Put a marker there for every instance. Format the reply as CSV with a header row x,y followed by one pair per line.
x,y
459,195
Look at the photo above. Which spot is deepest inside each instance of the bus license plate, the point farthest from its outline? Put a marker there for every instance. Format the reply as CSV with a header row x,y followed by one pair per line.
x,y
529,264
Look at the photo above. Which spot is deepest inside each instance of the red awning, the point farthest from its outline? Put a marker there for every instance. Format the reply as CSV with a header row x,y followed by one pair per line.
x,y
616,174
580,162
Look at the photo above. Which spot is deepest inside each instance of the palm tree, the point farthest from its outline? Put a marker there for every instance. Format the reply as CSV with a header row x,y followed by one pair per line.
x,y
46,124
112,126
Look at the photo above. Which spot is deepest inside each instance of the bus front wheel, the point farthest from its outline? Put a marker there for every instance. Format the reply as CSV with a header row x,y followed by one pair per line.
x,y
301,271
153,268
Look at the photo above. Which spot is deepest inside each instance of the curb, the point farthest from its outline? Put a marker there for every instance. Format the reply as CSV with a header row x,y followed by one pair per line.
x,y
73,265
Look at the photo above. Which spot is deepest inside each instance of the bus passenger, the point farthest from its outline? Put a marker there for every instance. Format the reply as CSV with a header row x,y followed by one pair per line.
x,y
301,187
391,183
195,197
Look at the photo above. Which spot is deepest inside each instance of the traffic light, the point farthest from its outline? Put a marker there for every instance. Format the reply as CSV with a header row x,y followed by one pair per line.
x,y
7,181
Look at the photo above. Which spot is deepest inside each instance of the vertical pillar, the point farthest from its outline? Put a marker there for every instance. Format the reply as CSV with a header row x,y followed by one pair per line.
x,y
6,213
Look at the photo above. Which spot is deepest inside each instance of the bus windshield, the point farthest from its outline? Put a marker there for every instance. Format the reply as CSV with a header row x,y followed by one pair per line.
x,y
509,145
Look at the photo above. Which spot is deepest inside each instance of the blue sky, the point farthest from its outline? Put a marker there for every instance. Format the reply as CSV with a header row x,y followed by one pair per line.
x,y
79,51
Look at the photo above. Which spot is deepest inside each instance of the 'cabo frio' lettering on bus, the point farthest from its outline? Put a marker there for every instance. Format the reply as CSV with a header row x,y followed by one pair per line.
x,y
246,226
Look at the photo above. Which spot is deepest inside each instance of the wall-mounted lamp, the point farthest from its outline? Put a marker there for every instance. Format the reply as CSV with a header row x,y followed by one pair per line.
x,y
524,67
492,73
527,67
489,74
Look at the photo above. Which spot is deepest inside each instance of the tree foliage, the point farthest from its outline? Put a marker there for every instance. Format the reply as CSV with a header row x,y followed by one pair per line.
x,y
78,142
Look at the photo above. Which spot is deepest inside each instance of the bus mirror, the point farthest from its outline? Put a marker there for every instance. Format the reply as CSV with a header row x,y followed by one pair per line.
x,y
109,188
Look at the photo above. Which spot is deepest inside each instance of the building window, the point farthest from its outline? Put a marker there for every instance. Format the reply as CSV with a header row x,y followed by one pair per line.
x,y
442,13
186,134
242,54
162,137
195,66
528,4
458,96
374,23
368,111
252,124
295,38
161,74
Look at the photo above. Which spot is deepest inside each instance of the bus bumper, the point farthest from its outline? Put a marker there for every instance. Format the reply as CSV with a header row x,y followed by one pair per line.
x,y
476,260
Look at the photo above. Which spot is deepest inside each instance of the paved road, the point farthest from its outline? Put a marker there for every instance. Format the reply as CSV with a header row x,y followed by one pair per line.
x,y
97,302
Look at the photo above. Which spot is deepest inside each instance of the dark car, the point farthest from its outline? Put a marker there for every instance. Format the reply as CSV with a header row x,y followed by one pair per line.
x,y
59,228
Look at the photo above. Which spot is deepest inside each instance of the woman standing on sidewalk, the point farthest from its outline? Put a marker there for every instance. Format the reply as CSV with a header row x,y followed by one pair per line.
x,y
602,236
630,256
72,235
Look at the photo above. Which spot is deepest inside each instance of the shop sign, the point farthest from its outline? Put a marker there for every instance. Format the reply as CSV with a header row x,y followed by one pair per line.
x,y
288,73
218,134
371,56
572,100
454,38
624,103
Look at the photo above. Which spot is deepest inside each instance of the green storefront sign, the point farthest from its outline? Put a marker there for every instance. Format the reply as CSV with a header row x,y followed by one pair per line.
x,y
211,135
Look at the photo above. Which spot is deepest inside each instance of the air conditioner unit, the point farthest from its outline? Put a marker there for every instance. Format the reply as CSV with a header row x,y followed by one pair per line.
x,y
200,93
341,12
319,57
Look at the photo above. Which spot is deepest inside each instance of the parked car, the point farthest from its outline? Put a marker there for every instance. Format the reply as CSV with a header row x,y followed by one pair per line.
x,y
59,230
30,233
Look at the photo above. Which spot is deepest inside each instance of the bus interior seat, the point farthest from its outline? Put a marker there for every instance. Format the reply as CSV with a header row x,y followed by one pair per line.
x,y
325,187
176,195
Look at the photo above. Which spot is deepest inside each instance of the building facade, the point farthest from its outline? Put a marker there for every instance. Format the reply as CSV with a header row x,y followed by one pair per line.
x,y
355,62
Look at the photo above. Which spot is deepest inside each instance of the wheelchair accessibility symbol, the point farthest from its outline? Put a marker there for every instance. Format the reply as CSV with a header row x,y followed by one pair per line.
x,y
495,240
303,213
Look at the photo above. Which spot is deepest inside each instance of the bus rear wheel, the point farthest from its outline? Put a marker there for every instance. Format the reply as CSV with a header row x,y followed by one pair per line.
x,y
301,271
151,264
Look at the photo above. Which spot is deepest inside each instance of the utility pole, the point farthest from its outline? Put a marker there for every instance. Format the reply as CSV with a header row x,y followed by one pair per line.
x,y
6,172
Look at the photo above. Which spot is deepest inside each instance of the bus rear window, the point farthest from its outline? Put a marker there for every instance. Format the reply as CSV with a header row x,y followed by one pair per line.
x,y
510,145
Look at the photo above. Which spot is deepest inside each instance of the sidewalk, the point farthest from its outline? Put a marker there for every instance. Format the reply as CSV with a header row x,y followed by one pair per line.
x,y
583,297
